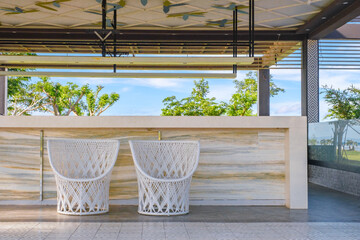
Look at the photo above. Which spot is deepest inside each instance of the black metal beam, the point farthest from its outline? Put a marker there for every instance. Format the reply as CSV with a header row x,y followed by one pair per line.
x,y
252,27
145,35
235,39
103,26
348,31
114,37
338,13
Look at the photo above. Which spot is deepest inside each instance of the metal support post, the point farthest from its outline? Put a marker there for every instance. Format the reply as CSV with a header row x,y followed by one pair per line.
x,y
103,8
251,28
114,27
264,92
235,37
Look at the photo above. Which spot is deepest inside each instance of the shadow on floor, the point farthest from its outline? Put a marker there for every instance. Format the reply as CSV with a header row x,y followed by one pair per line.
x,y
325,205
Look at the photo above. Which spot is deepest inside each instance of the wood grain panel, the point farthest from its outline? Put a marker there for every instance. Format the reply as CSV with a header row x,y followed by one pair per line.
x,y
235,164
19,164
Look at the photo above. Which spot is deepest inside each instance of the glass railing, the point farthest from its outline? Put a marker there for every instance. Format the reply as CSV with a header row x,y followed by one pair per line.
x,y
335,144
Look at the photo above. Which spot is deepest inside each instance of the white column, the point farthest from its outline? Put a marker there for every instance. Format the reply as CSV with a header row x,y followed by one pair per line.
x,y
296,166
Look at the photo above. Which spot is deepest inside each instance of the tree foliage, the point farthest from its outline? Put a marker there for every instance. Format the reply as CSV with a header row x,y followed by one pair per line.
x,y
59,100
95,104
198,104
245,97
19,100
344,104
26,97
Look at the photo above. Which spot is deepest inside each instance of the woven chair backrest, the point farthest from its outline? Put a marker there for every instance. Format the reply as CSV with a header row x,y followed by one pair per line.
x,y
82,159
166,159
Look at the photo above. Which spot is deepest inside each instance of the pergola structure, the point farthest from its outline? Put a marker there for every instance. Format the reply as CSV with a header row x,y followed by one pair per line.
x,y
269,31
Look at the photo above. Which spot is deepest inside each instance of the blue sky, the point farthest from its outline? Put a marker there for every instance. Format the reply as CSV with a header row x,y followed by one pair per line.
x,y
144,96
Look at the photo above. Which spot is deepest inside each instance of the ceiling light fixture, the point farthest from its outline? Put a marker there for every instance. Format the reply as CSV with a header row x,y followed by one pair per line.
x,y
118,75
70,61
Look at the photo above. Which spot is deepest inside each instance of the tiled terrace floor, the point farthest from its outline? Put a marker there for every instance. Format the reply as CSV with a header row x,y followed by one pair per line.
x,y
179,231
331,215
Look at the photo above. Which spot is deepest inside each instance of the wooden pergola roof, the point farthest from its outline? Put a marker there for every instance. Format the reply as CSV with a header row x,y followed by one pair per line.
x,y
180,27
157,14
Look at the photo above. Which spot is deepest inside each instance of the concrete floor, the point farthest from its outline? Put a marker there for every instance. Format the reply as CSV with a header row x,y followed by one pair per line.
x,y
325,205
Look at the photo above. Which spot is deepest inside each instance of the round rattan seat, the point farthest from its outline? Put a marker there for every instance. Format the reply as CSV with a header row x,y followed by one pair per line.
x,y
164,172
82,170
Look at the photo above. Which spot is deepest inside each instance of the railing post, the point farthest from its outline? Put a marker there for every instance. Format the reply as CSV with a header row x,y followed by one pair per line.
x,y
41,163
3,94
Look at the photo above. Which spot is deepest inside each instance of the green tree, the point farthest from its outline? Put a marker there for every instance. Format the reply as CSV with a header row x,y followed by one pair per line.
x,y
60,100
16,84
312,141
351,144
198,104
25,97
20,102
95,104
245,97
343,105
24,102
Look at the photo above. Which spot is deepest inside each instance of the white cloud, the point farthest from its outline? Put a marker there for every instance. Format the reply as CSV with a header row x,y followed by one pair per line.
x,y
324,107
241,75
142,112
286,74
336,78
82,81
286,109
222,92
169,83
125,89
156,82
339,79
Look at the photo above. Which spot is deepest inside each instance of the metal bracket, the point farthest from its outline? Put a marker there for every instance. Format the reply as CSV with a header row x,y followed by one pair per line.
x,y
102,39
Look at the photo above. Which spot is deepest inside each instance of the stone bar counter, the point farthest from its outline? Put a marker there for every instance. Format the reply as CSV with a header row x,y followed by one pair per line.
x,y
243,160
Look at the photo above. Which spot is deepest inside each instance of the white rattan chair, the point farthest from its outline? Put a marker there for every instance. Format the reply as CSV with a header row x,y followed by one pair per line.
x,y
82,172
164,171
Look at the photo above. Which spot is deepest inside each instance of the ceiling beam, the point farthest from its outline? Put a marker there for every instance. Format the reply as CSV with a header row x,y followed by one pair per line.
x,y
144,35
348,31
338,13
